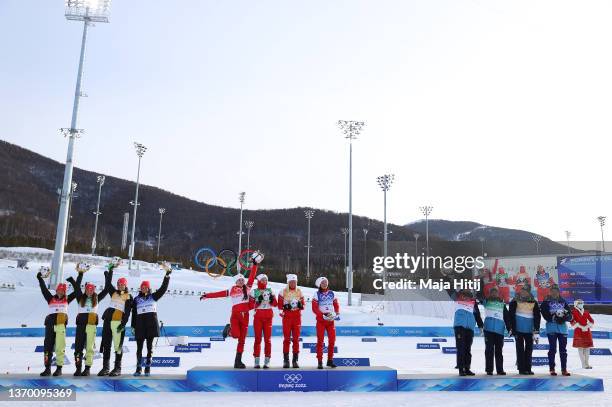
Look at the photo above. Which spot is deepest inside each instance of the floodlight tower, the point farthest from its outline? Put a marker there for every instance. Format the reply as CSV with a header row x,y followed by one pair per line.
x,y
384,182
537,239
140,150
100,181
248,224
87,11
309,213
350,129
241,197
426,211
161,216
602,223
568,234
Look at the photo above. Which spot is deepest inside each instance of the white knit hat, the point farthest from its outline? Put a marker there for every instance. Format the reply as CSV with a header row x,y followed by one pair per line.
x,y
319,280
238,277
292,277
261,277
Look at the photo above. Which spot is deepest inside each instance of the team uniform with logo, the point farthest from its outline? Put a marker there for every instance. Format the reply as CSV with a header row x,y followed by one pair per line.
x,y
86,324
145,322
263,301
55,324
325,303
241,304
291,304
524,324
495,323
557,313
467,317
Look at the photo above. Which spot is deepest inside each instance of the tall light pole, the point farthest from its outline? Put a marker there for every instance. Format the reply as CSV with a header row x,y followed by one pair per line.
x,y
241,197
161,215
482,240
351,129
602,223
140,150
344,232
309,213
88,13
365,248
416,243
248,224
568,234
426,211
73,195
384,182
537,239
100,181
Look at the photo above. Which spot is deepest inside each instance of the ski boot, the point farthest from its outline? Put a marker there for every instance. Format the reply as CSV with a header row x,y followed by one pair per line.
x,y
553,373
257,363
58,371
226,331
47,371
86,371
117,369
78,363
468,372
105,367
138,371
502,373
147,369
564,372
320,364
238,361
285,360
330,363
294,362
266,363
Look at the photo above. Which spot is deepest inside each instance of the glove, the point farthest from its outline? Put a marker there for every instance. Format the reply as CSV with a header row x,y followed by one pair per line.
x,y
300,305
168,272
203,297
287,307
121,328
39,275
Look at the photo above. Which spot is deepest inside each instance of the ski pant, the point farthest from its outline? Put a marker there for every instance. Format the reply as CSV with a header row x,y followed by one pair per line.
x,y
552,350
111,336
139,345
239,325
262,324
494,345
584,353
330,328
85,338
463,341
524,349
55,341
292,326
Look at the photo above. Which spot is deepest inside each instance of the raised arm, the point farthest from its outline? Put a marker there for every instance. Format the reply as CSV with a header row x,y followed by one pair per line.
x,y
216,294
108,278
252,275
76,287
43,287
162,290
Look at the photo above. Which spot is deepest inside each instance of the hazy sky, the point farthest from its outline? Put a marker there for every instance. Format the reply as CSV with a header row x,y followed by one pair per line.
x,y
492,111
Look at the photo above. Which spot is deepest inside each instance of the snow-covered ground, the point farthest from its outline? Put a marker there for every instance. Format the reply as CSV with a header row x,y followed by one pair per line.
x,y
24,306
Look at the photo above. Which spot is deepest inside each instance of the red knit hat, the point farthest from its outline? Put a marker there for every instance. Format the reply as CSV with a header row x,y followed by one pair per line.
x,y
61,287
145,283
123,281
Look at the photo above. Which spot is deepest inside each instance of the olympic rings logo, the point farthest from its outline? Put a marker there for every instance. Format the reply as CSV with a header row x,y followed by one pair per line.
x,y
292,378
350,362
217,265
196,331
